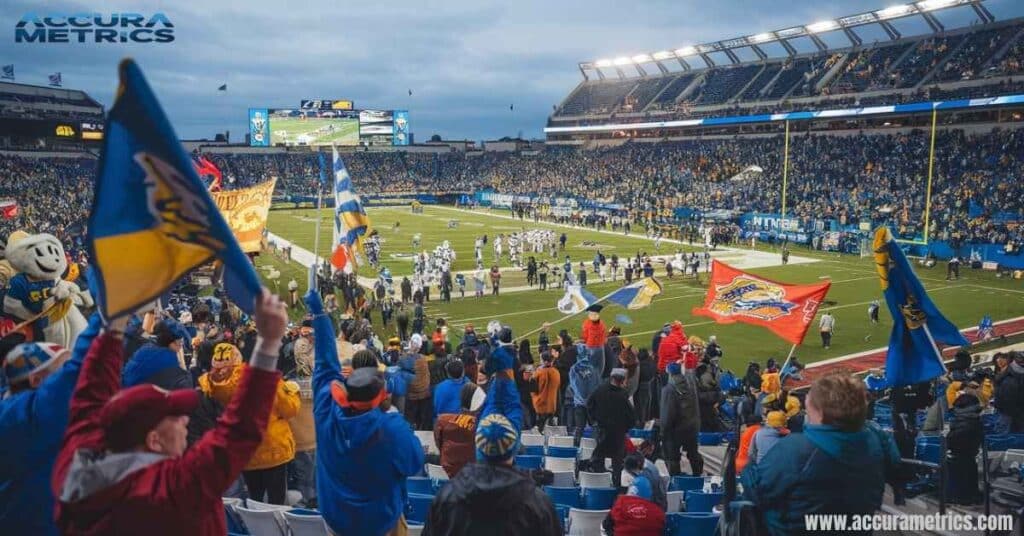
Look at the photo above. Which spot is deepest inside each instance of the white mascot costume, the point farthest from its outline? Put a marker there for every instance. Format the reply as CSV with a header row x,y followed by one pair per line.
x,y
37,288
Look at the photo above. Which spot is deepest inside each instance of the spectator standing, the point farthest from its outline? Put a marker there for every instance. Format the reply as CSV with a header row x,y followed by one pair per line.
x,y
635,513
123,466
364,454
583,380
454,432
418,399
1009,394
33,418
826,325
609,408
680,420
447,394
545,399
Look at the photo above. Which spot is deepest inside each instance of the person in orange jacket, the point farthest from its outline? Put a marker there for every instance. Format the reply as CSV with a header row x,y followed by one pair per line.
x,y
545,400
266,473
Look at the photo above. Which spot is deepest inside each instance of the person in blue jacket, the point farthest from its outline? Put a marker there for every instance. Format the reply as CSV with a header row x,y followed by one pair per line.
x,y
838,465
364,455
447,393
33,418
583,380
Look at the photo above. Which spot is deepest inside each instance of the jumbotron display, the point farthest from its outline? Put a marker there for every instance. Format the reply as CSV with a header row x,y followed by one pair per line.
x,y
325,126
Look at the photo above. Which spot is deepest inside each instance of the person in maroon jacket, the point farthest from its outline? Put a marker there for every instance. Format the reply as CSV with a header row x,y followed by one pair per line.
x,y
455,433
123,467
635,513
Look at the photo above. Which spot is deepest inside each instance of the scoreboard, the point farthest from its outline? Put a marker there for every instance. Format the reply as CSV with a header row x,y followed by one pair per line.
x,y
314,104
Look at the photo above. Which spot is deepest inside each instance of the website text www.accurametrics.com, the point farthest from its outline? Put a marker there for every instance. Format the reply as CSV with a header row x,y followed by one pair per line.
x,y
917,522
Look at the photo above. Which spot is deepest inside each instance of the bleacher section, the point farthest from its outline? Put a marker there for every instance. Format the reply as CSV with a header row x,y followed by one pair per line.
x,y
35,102
721,84
990,51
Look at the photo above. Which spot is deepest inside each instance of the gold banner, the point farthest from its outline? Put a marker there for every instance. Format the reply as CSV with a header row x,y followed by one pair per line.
x,y
245,211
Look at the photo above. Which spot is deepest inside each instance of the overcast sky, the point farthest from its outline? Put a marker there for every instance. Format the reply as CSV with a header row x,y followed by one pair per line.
x,y
465,62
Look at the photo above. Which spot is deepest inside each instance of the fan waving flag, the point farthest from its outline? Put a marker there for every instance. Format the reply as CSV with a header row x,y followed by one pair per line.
x,y
206,168
736,296
918,325
636,295
152,220
350,221
8,209
575,300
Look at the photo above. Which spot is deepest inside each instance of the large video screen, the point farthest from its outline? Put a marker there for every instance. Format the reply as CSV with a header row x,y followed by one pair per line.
x,y
295,127
376,127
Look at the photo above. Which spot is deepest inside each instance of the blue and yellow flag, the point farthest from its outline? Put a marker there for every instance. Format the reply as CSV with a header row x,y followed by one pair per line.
x,y
350,220
918,326
636,295
152,219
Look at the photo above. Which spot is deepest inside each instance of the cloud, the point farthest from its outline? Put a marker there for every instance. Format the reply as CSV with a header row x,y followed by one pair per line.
x,y
466,62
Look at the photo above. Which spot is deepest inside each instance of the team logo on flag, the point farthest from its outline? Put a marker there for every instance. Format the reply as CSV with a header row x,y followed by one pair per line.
x,y
747,296
181,213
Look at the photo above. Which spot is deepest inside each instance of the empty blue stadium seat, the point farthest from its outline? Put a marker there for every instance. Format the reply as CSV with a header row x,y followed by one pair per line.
x,y
418,507
599,498
686,483
563,514
564,496
690,524
999,442
563,452
419,484
698,501
709,438
529,462
534,450
641,433
928,452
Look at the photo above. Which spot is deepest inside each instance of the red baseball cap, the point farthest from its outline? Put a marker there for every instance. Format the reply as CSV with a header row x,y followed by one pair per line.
x,y
133,412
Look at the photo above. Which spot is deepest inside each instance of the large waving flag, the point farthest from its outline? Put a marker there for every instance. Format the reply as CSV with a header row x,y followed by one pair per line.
x,y
575,300
204,167
736,296
636,295
918,325
152,219
350,221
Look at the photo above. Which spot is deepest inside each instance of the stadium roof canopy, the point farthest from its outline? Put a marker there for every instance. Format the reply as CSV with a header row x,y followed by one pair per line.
x,y
882,17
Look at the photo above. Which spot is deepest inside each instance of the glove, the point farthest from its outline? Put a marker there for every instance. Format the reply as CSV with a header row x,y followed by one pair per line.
x,y
63,290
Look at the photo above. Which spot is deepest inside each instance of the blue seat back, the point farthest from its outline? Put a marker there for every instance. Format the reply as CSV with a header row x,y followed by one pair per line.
x,y
599,498
533,450
698,501
928,452
569,497
418,507
709,438
563,452
529,462
690,524
420,485
686,483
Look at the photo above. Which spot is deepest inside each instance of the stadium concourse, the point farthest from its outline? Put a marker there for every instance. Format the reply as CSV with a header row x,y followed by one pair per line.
x,y
442,389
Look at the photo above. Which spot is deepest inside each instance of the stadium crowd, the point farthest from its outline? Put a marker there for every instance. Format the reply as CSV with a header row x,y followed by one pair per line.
x,y
146,423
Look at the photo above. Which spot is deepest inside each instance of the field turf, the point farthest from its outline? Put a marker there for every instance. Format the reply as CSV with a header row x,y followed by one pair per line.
x,y
854,285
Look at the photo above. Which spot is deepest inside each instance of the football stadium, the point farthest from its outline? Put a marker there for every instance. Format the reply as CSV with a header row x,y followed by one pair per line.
x,y
765,280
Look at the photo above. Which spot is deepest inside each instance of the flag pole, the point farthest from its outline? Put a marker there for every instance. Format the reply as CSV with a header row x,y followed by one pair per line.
x,y
316,232
782,379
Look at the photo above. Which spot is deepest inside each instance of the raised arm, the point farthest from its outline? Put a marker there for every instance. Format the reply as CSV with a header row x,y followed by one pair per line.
x,y
216,460
326,367
52,400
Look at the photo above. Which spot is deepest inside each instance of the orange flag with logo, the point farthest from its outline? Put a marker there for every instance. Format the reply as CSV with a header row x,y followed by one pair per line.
x,y
736,296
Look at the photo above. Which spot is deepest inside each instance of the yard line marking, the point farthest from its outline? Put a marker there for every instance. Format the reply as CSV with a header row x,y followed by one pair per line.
x,y
995,289
462,321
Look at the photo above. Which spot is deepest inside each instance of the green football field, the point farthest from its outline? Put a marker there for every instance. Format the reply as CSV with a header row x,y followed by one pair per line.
x,y
854,285
318,130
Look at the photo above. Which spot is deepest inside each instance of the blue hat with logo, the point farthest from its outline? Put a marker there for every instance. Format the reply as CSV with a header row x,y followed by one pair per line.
x,y
25,359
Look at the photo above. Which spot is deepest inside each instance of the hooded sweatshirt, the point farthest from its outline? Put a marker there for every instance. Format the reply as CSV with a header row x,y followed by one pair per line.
x,y
362,459
583,380
32,424
446,396
670,349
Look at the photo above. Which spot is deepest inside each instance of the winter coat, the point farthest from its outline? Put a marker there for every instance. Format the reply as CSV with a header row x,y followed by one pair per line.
x,y
362,460
419,387
635,516
594,334
32,424
564,363
278,446
965,430
609,407
680,409
1010,391
670,349
146,493
799,476
545,400
492,499
303,425
455,436
447,396
583,380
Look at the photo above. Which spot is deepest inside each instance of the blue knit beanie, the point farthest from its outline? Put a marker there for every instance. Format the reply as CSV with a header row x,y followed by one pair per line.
x,y
496,439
